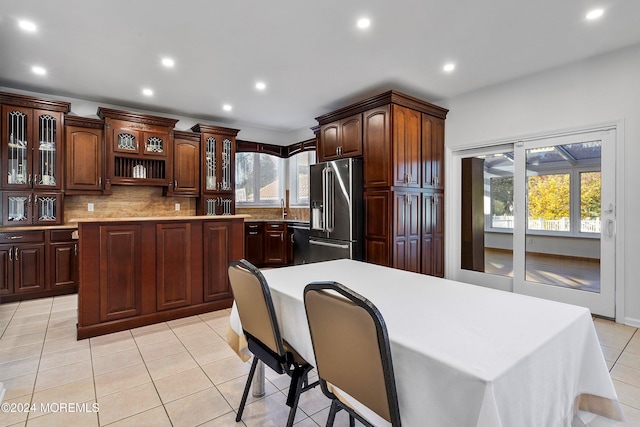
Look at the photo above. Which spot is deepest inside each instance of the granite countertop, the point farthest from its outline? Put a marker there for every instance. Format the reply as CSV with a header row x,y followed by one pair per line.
x,y
69,226
163,218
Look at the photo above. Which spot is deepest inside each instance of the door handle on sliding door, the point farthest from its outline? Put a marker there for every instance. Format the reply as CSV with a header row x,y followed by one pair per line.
x,y
611,227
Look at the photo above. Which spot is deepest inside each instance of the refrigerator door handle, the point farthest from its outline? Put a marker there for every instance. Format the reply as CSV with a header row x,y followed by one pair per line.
x,y
331,245
324,199
329,189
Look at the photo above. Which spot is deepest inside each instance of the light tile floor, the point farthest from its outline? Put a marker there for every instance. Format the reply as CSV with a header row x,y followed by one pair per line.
x,y
180,373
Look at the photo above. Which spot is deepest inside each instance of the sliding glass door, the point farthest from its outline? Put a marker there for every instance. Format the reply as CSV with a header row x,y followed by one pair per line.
x,y
538,217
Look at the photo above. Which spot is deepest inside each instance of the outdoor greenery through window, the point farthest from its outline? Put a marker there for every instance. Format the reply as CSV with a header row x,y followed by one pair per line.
x,y
259,179
563,189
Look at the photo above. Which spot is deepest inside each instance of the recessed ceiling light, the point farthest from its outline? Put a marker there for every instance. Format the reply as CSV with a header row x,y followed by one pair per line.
x,y
364,23
594,14
168,62
449,67
147,92
261,85
27,26
38,70
227,107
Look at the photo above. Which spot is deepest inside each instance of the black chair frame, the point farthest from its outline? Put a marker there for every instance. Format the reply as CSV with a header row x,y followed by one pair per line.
x,y
385,354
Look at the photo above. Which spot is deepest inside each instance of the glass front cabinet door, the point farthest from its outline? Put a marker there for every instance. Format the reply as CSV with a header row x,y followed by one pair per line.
x,y
30,148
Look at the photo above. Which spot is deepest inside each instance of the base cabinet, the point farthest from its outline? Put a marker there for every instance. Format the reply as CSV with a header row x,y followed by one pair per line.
x,y
120,273
36,264
218,238
135,273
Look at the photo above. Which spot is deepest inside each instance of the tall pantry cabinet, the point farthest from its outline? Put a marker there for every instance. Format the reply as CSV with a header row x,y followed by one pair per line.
x,y
403,152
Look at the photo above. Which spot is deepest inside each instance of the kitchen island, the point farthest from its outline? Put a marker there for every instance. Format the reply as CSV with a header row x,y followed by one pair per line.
x,y
138,271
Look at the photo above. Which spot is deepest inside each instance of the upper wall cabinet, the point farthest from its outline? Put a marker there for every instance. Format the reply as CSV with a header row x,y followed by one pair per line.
x,y
32,141
341,138
218,160
139,148
84,155
186,165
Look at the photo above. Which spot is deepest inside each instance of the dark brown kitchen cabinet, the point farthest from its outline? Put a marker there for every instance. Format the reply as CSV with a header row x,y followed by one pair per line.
x,y
63,265
342,138
218,244
275,243
254,242
20,208
376,147
406,231
120,267
84,156
31,148
406,146
139,148
23,262
142,271
403,152
173,261
186,165
432,152
218,163
433,234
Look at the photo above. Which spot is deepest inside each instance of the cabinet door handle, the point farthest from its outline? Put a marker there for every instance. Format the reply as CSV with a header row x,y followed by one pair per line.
x,y
337,151
175,184
10,254
16,254
16,237
29,179
75,249
253,233
292,238
282,237
99,181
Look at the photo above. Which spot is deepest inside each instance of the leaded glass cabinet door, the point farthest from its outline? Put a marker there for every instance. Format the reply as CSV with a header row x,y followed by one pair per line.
x,y
16,208
16,146
47,208
227,179
211,183
47,155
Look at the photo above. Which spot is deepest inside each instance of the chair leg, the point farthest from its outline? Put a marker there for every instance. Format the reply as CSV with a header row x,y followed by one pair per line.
x,y
295,389
352,421
332,413
246,388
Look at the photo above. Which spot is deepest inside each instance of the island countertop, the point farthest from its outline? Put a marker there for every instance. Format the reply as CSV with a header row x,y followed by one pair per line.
x,y
162,218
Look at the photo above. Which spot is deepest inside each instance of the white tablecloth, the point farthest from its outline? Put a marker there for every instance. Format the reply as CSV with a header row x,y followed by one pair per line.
x,y
465,355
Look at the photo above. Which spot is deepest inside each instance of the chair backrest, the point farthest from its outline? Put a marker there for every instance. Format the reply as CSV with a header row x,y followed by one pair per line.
x,y
255,307
351,346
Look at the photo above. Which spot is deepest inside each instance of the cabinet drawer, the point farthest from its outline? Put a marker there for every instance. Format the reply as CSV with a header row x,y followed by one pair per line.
x,y
22,237
61,235
253,226
275,226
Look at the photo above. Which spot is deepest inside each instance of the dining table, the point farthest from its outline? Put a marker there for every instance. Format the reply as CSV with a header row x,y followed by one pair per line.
x,y
465,355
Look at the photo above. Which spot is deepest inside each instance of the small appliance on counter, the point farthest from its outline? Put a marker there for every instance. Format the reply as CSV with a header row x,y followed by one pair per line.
x,y
337,214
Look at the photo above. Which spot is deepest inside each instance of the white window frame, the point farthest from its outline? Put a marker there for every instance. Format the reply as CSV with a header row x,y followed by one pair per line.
x,y
282,175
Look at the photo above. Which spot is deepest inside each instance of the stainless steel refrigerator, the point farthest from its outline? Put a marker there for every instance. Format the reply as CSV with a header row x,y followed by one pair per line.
x,y
337,213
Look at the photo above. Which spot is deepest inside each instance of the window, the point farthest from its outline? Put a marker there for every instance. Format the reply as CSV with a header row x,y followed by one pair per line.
x,y
299,178
259,179
563,189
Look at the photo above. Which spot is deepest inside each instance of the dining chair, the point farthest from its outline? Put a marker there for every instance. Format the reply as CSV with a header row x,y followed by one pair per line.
x,y
352,353
260,326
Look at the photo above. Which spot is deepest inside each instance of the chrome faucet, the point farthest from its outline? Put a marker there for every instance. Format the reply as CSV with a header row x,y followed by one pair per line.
x,y
284,214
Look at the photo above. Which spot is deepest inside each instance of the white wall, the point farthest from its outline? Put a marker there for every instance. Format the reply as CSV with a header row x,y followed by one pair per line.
x,y
602,89
84,108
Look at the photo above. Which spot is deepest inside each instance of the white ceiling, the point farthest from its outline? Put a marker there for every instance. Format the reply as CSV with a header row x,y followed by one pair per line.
x,y
310,54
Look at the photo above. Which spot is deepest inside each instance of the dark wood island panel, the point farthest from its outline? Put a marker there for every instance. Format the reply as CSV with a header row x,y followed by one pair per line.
x,y
139,271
